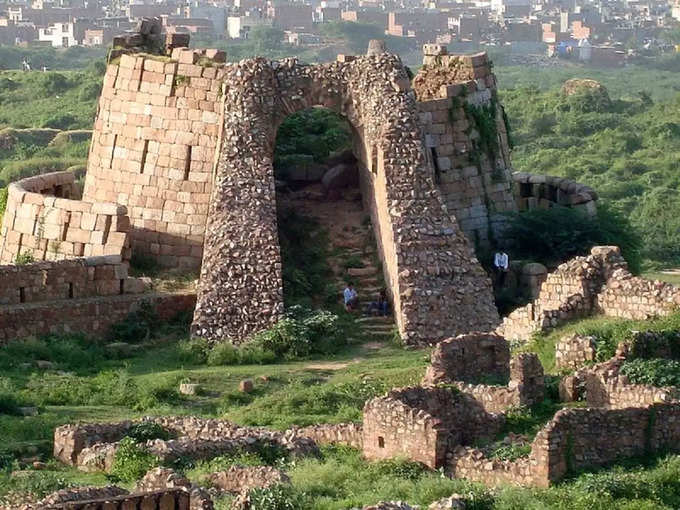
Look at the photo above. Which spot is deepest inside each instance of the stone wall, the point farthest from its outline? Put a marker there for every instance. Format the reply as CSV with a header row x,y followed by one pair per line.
x,y
350,434
153,150
471,162
43,221
91,316
575,439
66,279
437,286
423,424
91,447
467,358
574,351
545,191
526,386
169,499
597,284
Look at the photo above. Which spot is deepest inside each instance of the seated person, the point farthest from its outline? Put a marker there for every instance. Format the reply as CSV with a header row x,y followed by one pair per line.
x,y
350,297
381,306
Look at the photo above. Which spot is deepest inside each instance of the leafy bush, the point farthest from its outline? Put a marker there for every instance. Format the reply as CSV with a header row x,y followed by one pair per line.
x,y
276,497
138,326
3,201
131,461
559,233
657,372
61,121
193,350
146,431
301,333
23,258
510,451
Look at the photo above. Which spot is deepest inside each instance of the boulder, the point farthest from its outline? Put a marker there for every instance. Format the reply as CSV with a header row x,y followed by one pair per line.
x,y
341,176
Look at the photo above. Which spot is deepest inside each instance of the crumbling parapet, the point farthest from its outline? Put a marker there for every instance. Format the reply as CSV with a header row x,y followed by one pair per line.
x,y
544,191
598,283
45,220
466,133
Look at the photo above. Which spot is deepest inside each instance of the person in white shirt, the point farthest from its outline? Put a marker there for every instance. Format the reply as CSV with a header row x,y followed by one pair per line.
x,y
500,264
350,297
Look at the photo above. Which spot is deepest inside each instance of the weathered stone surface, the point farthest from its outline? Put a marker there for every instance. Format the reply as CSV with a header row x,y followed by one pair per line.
x,y
238,479
341,176
597,284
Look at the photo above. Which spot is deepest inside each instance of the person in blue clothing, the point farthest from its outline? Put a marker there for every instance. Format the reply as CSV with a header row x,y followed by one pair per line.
x,y
351,298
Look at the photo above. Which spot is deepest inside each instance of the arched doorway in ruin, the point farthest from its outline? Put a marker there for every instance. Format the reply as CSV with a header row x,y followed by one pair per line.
x,y
436,285
324,219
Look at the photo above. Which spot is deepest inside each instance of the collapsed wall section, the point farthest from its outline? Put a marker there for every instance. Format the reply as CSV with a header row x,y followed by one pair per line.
x,y
598,283
43,221
466,138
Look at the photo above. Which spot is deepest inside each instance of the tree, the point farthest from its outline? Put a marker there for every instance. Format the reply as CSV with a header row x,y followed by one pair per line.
x,y
265,39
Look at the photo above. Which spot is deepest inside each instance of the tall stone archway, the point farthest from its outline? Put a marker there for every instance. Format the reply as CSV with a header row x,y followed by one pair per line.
x,y
437,286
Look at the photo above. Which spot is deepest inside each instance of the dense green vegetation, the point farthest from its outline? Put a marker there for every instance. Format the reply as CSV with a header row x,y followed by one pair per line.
x,y
75,57
307,138
624,148
554,235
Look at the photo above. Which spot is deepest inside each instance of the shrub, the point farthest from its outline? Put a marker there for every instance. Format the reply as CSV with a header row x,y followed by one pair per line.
x,y
277,497
223,353
3,201
61,121
137,326
657,372
131,461
559,233
510,451
23,258
146,431
193,350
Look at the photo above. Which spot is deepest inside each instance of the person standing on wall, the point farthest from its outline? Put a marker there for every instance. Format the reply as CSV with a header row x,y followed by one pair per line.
x,y
500,265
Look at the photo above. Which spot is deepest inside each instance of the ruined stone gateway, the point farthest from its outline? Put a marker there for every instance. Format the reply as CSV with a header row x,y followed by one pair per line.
x,y
180,170
435,282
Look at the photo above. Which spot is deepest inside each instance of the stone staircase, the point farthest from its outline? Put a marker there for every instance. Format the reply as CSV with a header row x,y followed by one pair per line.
x,y
353,250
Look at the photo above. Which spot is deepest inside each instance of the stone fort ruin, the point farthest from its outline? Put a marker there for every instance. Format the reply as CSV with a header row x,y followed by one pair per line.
x,y
180,169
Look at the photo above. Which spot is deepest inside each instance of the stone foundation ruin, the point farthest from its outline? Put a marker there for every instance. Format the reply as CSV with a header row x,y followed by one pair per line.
x,y
599,283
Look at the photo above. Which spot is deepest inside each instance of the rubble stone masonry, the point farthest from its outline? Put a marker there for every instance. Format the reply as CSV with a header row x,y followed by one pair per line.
x,y
436,284
597,284
423,424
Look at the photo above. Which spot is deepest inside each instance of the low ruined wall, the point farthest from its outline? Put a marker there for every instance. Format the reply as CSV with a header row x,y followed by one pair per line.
x,y
349,434
91,447
584,438
169,499
597,284
545,191
617,392
423,424
472,175
576,439
574,351
392,429
631,297
468,358
66,279
91,316
41,221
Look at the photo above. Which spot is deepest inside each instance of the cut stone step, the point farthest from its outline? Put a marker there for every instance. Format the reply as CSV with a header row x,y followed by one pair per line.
x,y
362,271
